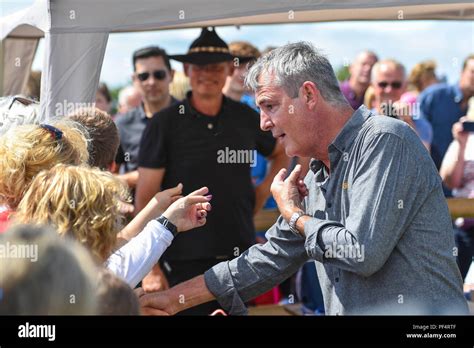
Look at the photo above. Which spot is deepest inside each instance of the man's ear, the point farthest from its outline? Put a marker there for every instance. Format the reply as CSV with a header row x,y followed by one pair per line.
x,y
310,94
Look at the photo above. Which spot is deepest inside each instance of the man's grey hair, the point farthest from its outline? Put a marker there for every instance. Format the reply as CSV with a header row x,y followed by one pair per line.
x,y
293,64
394,63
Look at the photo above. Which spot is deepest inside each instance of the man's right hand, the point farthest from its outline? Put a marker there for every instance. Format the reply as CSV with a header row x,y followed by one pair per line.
x,y
155,303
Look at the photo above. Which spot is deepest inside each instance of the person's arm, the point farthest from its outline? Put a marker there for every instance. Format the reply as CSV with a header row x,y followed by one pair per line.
x,y
452,168
131,178
149,183
182,296
234,282
136,258
155,207
278,160
384,197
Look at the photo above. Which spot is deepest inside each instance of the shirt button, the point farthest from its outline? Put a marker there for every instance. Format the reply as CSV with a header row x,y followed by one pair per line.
x,y
329,204
337,279
210,126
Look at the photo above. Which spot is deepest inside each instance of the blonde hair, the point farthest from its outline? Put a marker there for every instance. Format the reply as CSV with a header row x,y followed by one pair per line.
x,y
422,71
243,49
180,85
81,202
369,97
28,149
59,280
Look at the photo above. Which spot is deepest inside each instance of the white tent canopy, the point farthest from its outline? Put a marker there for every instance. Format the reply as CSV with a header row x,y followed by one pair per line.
x,y
76,32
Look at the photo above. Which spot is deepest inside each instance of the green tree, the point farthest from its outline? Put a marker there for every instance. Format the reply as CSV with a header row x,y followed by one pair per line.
x,y
342,73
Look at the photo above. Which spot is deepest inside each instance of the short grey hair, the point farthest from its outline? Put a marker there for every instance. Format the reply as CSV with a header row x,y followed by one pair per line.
x,y
395,63
292,65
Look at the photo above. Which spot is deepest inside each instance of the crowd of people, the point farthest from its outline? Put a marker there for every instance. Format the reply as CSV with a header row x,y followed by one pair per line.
x,y
117,209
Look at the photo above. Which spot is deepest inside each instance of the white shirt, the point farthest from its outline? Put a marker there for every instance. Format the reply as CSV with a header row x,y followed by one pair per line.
x,y
467,184
134,260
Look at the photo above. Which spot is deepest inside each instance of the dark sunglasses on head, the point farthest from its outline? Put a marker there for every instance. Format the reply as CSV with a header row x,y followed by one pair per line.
x,y
56,133
157,74
394,85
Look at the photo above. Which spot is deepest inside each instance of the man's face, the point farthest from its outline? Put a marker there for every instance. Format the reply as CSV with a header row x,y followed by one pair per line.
x,y
467,77
389,84
208,80
152,79
362,68
237,78
286,118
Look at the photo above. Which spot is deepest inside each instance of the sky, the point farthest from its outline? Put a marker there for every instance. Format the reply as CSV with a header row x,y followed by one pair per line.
x,y
446,42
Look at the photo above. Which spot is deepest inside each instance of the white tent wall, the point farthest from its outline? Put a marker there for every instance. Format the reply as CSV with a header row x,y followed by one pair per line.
x,y
76,31
71,71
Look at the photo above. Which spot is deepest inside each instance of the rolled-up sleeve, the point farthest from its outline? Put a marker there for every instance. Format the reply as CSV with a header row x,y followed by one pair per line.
x,y
383,193
258,269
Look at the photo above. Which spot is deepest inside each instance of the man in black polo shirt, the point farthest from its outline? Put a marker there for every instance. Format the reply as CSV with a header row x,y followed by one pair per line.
x,y
207,140
152,77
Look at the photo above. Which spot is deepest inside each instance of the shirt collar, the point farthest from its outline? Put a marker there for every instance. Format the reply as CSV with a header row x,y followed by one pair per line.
x,y
195,112
345,137
458,96
350,130
141,111
141,108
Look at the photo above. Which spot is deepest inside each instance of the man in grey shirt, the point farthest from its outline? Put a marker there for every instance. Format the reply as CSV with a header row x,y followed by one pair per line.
x,y
371,211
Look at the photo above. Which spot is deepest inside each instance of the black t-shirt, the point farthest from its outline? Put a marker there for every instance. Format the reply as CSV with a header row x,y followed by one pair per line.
x,y
199,150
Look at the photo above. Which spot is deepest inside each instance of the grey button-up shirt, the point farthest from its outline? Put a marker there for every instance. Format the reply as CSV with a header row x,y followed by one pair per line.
x,y
380,232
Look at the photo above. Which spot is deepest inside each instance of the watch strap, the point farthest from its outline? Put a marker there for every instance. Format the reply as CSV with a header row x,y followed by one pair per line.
x,y
168,225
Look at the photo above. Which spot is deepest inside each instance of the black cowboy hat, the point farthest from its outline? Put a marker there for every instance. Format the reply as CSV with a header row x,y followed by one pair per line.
x,y
208,48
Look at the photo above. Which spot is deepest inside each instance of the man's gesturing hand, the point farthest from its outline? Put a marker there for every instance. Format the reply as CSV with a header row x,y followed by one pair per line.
x,y
289,193
189,212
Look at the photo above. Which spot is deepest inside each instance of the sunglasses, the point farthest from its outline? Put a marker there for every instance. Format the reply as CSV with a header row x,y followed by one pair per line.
x,y
157,74
57,134
394,85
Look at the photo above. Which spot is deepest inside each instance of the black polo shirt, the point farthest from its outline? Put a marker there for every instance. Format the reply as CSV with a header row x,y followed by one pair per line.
x,y
197,151
131,126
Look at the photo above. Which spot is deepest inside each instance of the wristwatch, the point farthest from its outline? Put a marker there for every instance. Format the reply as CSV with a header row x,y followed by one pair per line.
x,y
168,225
294,218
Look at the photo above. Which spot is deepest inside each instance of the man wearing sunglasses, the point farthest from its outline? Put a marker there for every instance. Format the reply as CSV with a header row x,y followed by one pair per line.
x,y
389,83
151,78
